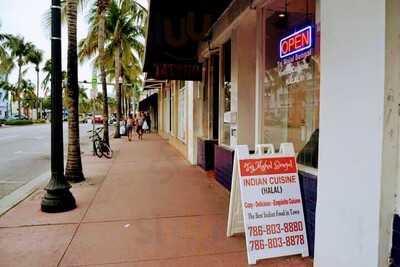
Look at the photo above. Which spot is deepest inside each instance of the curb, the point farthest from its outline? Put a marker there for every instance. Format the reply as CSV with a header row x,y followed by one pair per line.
x,y
12,199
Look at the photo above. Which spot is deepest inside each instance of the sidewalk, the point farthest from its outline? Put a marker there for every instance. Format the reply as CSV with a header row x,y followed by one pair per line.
x,y
146,207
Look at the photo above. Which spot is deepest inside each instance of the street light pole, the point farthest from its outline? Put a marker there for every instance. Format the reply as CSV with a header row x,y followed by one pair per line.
x,y
58,198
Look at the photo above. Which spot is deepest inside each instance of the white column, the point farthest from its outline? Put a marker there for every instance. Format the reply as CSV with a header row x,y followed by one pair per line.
x,y
191,140
357,136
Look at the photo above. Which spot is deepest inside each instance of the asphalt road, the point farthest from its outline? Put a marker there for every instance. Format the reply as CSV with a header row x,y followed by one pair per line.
x,y
25,153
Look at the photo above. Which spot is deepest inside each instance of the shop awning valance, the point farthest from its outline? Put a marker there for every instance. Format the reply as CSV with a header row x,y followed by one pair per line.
x,y
175,29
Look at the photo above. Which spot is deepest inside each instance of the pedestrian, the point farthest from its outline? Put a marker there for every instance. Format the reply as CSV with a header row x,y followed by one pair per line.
x,y
129,127
145,124
139,126
148,120
135,125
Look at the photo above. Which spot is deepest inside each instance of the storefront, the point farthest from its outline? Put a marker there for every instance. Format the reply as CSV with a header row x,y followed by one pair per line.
x,y
276,71
289,89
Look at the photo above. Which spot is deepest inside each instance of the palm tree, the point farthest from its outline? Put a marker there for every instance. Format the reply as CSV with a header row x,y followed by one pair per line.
x,y
36,57
24,93
6,66
73,169
20,49
8,87
101,9
29,99
47,71
3,52
84,104
124,24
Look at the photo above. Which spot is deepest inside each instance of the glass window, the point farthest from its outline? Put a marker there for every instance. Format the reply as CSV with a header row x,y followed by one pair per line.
x,y
226,90
172,110
167,124
181,112
291,78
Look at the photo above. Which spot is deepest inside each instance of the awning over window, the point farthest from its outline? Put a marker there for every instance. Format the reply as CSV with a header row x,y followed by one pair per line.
x,y
175,29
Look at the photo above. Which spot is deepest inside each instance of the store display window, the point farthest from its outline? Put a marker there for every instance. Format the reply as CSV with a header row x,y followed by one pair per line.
x,y
291,80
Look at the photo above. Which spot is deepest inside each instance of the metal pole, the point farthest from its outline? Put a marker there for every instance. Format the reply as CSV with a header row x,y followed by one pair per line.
x,y
58,198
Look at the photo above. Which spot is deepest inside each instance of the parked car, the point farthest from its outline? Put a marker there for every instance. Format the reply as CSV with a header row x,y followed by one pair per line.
x,y
98,119
18,117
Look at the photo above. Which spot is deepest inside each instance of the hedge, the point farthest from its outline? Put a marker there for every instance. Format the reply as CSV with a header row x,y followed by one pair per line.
x,y
40,121
18,122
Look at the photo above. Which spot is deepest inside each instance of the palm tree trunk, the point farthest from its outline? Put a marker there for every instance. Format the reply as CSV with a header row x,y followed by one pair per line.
x,y
117,58
37,93
123,100
19,87
73,169
101,39
126,105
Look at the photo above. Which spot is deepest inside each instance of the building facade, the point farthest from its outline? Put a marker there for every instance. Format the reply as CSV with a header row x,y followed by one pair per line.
x,y
3,104
322,75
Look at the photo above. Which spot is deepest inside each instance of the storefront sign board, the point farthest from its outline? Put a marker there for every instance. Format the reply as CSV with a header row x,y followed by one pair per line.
x,y
296,42
266,194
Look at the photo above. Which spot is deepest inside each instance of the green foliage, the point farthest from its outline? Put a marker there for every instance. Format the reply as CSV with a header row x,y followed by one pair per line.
x,y
2,121
40,121
47,76
18,122
124,30
46,102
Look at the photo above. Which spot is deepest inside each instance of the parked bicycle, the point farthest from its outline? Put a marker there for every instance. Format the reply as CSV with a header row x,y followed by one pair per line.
x,y
99,146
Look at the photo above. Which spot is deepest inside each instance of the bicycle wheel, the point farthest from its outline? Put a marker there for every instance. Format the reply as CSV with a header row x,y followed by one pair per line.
x,y
98,149
107,152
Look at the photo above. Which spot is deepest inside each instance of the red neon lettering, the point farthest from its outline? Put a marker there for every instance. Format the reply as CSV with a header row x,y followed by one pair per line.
x,y
285,47
291,44
305,38
296,42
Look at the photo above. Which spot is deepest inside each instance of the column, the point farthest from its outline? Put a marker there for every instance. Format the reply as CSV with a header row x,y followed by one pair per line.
x,y
191,139
358,134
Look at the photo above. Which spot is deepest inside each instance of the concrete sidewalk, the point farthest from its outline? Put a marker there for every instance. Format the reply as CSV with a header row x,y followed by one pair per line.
x,y
146,207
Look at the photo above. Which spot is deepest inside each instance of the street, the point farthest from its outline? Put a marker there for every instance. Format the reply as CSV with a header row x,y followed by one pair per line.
x,y
25,153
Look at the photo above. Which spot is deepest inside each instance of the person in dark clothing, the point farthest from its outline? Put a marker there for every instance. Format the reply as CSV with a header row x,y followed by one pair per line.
x,y
148,120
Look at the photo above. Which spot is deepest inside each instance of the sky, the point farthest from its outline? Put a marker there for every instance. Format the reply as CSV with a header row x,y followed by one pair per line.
x,y
25,18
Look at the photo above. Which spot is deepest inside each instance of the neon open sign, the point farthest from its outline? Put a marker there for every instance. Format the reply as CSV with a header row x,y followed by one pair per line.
x,y
296,42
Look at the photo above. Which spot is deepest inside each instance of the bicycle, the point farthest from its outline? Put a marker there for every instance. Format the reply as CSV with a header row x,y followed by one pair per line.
x,y
99,146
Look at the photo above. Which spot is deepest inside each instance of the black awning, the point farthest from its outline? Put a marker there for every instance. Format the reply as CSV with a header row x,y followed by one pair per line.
x,y
175,29
149,103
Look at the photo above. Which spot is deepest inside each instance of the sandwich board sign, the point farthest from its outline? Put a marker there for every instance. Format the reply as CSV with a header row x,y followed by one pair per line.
x,y
266,203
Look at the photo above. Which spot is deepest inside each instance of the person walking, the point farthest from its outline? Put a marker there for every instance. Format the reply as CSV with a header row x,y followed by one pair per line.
x,y
129,127
135,125
148,121
139,129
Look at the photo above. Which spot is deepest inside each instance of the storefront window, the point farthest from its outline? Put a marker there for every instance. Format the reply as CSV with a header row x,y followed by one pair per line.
x,y
292,77
172,107
226,90
181,111
167,124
